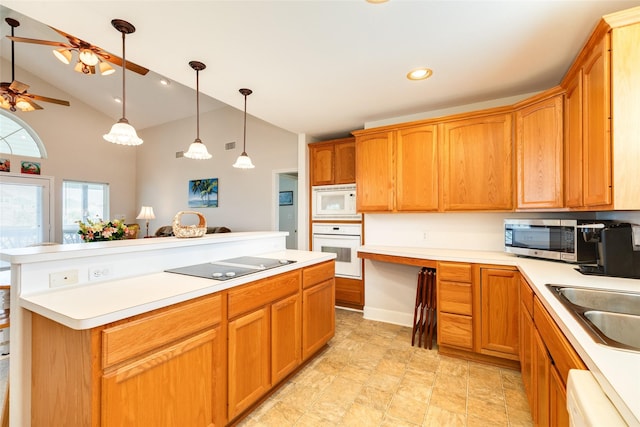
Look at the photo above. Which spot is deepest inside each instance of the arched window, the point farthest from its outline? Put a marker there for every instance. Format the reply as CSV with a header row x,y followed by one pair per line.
x,y
18,139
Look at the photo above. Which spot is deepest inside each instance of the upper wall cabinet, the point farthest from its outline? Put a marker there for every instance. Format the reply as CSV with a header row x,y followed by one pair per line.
x,y
332,162
539,152
601,118
397,170
477,172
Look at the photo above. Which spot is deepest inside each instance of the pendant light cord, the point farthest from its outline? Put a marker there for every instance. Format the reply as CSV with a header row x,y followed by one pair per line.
x,y
197,105
124,73
244,142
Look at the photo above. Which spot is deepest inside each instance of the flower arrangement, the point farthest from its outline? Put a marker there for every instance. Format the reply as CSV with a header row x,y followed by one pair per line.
x,y
101,231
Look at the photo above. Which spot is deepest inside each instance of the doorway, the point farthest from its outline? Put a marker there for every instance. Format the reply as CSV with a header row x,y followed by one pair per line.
x,y
287,206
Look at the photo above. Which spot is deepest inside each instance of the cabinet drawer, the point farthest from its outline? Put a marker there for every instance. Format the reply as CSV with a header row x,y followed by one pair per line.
x,y
136,337
563,355
318,273
263,292
526,296
455,297
455,330
454,272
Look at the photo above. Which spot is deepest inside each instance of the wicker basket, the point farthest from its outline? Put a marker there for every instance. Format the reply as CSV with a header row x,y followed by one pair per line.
x,y
180,230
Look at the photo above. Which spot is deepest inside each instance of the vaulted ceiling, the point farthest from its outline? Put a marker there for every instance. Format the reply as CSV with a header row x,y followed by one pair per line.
x,y
318,67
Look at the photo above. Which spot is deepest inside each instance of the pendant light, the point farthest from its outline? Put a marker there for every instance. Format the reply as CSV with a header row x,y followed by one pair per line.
x,y
122,132
244,161
197,150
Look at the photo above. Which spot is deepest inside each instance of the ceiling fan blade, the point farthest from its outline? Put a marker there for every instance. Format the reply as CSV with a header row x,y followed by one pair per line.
x,y
18,87
131,66
36,41
72,39
47,99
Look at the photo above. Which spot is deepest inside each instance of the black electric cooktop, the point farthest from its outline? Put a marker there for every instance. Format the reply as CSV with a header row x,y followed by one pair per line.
x,y
230,268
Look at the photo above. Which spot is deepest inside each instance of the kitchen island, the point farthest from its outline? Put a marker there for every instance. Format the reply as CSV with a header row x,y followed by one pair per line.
x,y
118,324
617,371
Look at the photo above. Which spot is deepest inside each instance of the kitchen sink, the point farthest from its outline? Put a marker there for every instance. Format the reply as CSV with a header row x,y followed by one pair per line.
x,y
622,328
597,299
611,317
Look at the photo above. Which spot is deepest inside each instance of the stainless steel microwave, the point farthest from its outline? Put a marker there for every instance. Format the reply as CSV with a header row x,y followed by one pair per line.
x,y
556,239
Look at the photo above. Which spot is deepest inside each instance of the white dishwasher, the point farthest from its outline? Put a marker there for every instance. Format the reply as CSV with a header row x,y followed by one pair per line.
x,y
587,404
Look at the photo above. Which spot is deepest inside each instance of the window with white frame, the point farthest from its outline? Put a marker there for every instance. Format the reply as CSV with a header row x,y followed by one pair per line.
x,y
82,201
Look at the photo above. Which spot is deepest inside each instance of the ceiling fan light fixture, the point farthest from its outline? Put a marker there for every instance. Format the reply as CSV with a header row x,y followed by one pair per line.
x,y
24,105
244,161
106,69
63,55
122,132
88,57
197,150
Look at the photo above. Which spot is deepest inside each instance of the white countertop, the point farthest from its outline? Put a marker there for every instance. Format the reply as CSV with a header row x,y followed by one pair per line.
x,y
90,305
617,371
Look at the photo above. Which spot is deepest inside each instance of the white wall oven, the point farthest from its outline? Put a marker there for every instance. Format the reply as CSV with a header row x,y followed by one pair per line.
x,y
334,202
344,241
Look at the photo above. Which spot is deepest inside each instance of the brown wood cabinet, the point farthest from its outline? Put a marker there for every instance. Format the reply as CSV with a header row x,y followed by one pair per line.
x,y
477,170
332,162
254,338
539,148
601,118
248,352
499,304
350,292
160,368
546,356
397,169
318,312
203,362
454,305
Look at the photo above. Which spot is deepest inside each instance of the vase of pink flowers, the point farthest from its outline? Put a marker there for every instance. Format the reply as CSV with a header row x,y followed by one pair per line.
x,y
101,231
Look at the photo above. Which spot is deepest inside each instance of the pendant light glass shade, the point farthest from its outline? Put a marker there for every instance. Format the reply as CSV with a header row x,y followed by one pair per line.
x,y
122,132
63,55
197,150
244,161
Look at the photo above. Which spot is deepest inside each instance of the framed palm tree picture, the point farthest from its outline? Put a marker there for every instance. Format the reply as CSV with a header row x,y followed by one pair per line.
x,y
203,193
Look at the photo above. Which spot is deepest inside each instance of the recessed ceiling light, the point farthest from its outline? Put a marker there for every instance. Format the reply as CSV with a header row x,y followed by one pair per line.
x,y
165,82
117,100
377,1
419,73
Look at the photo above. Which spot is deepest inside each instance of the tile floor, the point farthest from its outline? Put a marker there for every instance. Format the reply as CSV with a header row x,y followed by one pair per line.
x,y
371,376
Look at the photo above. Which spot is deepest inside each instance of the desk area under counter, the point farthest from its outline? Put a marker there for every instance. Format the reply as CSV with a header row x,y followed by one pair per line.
x,y
616,371
92,337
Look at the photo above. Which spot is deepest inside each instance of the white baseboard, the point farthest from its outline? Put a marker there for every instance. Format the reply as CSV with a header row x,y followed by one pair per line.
x,y
388,316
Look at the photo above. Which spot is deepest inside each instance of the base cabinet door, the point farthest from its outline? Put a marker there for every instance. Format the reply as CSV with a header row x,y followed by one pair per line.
x,y
559,416
500,301
541,369
318,316
526,352
286,347
174,386
248,365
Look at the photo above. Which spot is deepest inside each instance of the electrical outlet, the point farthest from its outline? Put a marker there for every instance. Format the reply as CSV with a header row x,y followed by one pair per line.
x,y
63,278
425,235
101,272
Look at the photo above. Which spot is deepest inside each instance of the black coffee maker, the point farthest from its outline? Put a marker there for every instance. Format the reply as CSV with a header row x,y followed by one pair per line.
x,y
618,249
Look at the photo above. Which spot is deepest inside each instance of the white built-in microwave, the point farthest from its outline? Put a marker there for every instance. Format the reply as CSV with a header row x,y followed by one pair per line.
x,y
334,202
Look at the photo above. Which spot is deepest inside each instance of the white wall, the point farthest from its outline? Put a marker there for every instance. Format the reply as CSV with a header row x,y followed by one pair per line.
x,y
76,151
246,201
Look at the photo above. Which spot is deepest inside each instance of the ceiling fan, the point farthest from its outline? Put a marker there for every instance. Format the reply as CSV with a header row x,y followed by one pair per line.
x,y
89,56
14,95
